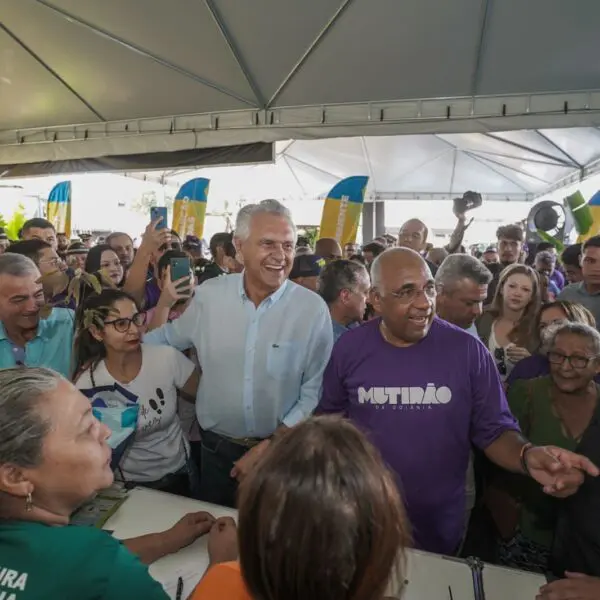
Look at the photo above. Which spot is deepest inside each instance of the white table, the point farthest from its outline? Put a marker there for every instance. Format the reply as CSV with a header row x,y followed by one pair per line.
x,y
428,575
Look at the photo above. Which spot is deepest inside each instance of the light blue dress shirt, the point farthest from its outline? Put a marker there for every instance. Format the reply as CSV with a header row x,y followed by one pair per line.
x,y
51,347
261,366
339,329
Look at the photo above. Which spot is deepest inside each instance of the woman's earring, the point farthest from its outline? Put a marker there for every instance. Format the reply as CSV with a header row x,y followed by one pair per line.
x,y
29,502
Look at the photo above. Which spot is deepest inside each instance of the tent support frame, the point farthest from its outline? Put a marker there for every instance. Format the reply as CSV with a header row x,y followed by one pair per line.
x,y
142,52
50,70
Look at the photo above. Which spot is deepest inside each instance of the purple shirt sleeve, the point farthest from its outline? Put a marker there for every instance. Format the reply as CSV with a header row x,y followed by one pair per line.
x,y
558,278
334,396
490,416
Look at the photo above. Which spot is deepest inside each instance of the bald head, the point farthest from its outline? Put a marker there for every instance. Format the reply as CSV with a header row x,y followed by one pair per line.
x,y
413,234
328,248
390,265
403,294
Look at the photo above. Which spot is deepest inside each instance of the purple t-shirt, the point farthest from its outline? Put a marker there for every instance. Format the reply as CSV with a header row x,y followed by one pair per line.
x,y
422,406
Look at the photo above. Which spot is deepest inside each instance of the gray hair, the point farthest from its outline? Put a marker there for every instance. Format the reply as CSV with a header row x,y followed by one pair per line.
x,y
270,207
17,265
457,267
22,427
340,275
546,258
589,333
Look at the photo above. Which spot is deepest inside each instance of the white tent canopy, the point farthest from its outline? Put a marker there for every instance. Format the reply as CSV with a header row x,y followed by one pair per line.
x,y
514,166
83,78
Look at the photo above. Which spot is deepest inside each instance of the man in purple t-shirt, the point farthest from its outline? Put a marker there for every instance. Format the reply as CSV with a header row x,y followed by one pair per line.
x,y
424,390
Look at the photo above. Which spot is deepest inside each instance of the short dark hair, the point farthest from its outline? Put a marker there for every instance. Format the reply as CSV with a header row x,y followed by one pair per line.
x,y
571,256
593,242
218,240
353,521
511,232
115,234
359,258
542,246
165,259
339,275
36,223
30,248
375,248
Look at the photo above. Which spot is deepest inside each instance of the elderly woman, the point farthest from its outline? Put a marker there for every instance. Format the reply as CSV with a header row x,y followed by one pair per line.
x,y
556,410
537,364
54,457
346,546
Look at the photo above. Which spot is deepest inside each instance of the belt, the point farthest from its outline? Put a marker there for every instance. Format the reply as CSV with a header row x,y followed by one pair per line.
x,y
246,442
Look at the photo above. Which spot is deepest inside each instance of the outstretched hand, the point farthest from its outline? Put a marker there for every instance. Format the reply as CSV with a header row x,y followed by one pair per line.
x,y
560,472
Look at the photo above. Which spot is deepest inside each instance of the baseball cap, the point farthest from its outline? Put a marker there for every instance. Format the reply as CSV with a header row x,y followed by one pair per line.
x,y
76,248
307,265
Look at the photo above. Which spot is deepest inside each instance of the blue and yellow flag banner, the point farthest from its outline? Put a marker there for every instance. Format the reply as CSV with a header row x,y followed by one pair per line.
x,y
58,209
342,210
587,218
189,208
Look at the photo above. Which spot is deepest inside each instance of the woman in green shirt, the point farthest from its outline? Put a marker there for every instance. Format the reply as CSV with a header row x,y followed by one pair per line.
x,y
54,457
552,410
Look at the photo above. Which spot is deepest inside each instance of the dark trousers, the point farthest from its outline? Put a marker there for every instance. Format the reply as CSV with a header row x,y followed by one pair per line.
x,y
218,455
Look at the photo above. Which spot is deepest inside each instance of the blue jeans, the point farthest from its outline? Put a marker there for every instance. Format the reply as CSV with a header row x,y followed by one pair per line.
x,y
218,454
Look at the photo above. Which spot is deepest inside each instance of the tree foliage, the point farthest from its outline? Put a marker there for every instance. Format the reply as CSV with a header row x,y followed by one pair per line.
x,y
15,223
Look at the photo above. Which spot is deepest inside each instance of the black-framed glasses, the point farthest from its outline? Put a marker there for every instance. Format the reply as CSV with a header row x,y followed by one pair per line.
x,y
123,324
500,357
575,361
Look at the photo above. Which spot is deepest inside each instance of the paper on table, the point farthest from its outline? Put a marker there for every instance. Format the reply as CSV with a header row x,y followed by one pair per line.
x,y
190,581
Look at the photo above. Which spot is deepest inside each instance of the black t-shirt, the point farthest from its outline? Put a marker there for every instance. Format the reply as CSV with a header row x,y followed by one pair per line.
x,y
577,537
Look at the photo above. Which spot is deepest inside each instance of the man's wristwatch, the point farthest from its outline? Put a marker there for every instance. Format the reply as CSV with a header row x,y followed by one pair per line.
x,y
523,457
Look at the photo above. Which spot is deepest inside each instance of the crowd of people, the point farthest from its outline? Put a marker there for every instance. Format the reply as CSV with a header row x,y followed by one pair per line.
x,y
349,402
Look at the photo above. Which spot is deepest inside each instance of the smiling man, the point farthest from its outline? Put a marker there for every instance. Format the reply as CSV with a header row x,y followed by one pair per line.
x,y
424,391
25,337
263,343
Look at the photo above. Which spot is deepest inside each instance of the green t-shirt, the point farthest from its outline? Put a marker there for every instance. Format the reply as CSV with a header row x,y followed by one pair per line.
x,y
530,402
39,562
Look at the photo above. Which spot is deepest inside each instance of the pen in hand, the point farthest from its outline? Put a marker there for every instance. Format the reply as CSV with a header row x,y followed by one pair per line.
x,y
179,594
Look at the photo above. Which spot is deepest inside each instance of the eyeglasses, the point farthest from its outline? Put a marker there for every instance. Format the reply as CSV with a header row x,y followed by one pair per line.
x,y
575,361
123,324
500,360
55,262
410,294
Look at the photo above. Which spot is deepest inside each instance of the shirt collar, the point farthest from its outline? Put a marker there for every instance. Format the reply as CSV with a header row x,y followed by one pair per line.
x,y
42,331
270,299
583,289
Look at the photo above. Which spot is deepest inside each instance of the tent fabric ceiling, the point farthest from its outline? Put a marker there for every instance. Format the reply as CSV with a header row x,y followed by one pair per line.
x,y
513,166
82,79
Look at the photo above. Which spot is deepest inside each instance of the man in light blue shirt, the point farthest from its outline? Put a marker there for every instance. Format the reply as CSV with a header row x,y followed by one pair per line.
x,y
262,342
344,285
27,337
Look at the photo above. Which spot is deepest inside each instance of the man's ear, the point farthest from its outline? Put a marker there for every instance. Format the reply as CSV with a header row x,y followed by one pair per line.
x,y
14,482
239,254
375,299
345,295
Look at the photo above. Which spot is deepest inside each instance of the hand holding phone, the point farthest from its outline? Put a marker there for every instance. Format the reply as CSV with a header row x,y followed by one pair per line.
x,y
159,213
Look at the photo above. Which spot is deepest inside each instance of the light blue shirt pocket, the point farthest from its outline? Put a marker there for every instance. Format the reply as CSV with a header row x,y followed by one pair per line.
x,y
282,358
